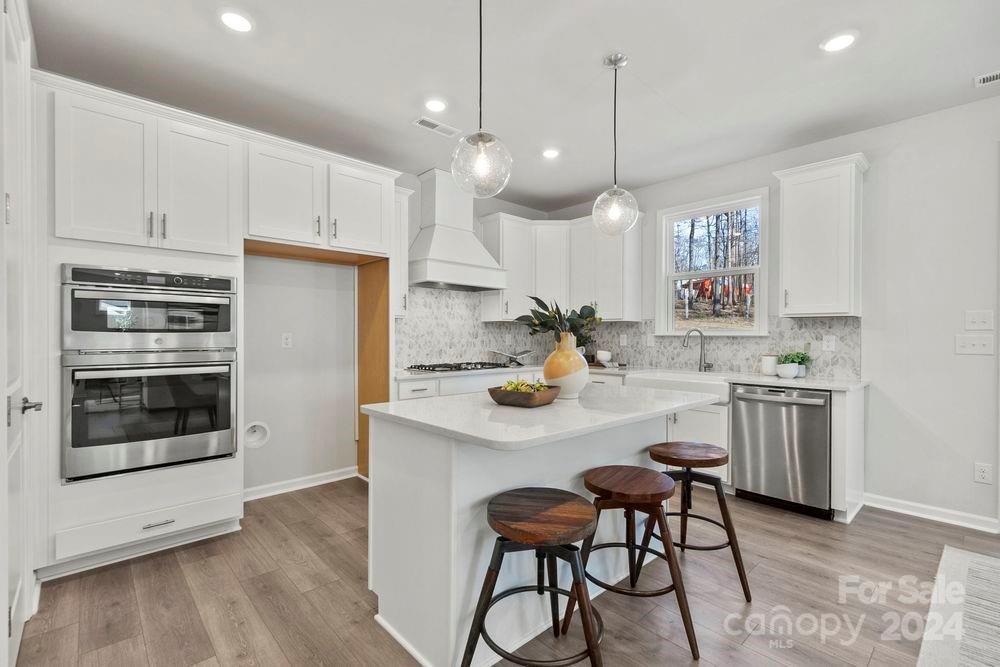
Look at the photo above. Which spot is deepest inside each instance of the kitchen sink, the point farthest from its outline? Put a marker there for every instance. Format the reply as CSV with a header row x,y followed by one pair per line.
x,y
704,382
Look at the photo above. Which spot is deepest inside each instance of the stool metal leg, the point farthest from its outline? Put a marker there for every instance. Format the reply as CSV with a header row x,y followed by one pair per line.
x,y
678,581
586,612
734,546
584,555
647,536
540,556
633,575
554,597
685,506
489,584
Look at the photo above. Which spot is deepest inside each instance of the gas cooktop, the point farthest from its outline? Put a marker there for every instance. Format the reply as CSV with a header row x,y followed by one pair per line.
x,y
460,366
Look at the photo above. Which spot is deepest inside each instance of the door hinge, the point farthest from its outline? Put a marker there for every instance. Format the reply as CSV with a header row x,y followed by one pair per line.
x,y
6,208
8,412
10,610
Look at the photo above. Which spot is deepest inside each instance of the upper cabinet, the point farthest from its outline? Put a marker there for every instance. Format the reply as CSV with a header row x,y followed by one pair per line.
x,y
287,194
200,189
552,263
105,171
126,176
361,209
511,241
399,264
605,271
820,265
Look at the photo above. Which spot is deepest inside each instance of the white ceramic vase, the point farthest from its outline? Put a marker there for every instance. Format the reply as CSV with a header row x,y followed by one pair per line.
x,y
566,368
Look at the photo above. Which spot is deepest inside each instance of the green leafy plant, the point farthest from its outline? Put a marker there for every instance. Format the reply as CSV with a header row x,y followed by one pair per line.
x,y
801,358
581,323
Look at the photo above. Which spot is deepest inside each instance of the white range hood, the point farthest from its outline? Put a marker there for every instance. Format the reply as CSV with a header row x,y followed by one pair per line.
x,y
446,253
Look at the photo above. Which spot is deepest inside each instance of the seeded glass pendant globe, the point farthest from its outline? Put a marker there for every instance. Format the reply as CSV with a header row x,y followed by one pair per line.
x,y
481,164
615,211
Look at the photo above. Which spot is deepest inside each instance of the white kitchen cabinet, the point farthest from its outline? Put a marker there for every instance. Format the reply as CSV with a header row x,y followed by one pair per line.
x,y
200,189
287,194
399,274
105,171
511,241
708,424
361,209
552,264
606,271
820,255
609,380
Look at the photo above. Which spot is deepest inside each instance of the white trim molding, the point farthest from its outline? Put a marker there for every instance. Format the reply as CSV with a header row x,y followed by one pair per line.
x,y
987,524
273,489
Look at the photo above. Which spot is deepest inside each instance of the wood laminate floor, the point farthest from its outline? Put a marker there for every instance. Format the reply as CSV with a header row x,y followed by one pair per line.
x,y
290,589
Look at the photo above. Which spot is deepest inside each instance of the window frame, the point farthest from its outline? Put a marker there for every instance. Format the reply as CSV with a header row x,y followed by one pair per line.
x,y
665,275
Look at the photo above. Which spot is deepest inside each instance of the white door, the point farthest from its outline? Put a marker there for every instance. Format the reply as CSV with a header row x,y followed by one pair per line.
x,y
609,276
552,265
287,194
200,187
519,262
14,537
581,265
105,171
361,206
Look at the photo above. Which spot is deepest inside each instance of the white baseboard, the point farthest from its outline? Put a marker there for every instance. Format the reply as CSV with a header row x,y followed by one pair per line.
x,y
986,524
285,486
407,646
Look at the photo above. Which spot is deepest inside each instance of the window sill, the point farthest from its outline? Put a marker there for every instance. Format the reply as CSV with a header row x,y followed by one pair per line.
x,y
718,333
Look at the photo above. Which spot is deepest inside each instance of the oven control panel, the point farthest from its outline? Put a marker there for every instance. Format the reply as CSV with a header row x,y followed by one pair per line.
x,y
133,278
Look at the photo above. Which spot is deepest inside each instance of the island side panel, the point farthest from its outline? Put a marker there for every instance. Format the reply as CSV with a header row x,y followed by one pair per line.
x,y
480,473
410,537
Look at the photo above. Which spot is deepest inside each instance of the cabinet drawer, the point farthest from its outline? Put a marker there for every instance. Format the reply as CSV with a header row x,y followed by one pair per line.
x,y
116,532
615,380
467,384
419,389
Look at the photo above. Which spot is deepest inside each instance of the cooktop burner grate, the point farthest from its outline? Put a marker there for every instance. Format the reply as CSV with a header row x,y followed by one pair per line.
x,y
460,366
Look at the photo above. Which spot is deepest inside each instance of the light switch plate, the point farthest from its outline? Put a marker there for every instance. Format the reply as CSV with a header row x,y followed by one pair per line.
x,y
286,340
650,340
974,344
979,320
623,340
829,343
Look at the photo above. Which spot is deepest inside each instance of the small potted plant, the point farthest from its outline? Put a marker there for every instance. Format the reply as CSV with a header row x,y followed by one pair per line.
x,y
793,364
565,367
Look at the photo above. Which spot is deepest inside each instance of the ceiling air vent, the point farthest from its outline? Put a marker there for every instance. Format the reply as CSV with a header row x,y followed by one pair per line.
x,y
987,79
439,128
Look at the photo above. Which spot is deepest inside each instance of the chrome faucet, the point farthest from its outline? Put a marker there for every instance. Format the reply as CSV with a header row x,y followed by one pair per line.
x,y
702,364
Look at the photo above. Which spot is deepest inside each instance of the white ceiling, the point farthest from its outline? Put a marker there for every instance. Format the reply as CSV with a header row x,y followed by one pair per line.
x,y
709,82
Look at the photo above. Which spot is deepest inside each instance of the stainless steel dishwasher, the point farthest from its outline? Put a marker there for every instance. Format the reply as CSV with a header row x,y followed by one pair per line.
x,y
781,447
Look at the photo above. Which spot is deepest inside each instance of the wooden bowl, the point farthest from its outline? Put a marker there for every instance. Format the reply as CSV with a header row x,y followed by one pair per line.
x,y
524,399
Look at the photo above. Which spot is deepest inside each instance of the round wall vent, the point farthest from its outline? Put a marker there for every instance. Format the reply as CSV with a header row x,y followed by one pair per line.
x,y
258,433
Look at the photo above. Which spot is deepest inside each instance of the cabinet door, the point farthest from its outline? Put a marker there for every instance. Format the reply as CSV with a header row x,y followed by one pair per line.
x,y
816,209
609,276
400,255
105,171
552,265
709,424
360,209
287,194
200,186
581,265
519,262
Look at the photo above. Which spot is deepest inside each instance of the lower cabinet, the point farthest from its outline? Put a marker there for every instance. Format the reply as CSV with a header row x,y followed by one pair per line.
x,y
616,380
708,424
461,384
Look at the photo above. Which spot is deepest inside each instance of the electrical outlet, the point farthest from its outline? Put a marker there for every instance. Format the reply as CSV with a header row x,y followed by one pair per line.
x,y
286,341
829,343
650,340
983,473
623,340
979,320
974,344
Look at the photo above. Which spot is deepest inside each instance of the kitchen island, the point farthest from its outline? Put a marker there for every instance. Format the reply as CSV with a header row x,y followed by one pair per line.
x,y
434,465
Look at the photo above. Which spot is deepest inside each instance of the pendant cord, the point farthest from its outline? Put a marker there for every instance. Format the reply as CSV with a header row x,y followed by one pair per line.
x,y
480,65
614,133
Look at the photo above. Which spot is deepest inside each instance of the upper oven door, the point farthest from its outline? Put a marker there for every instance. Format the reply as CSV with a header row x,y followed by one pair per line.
x,y
114,319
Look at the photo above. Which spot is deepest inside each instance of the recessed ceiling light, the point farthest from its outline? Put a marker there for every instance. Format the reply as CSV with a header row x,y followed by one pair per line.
x,y
550,153
435,105
839,42
236,22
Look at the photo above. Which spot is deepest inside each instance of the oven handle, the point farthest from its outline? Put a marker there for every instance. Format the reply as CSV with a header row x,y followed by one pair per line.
x,y
148,296
148,372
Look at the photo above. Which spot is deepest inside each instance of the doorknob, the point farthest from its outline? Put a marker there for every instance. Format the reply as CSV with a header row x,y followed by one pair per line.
x,y
29,405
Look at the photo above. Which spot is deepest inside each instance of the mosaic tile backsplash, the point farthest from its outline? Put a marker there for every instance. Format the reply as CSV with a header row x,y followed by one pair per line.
x,y
443,325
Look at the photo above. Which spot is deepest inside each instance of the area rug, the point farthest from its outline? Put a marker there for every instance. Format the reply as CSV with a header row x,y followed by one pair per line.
x,y
963,622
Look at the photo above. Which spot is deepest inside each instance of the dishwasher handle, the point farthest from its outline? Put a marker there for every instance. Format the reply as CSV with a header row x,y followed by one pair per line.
x,y
768,398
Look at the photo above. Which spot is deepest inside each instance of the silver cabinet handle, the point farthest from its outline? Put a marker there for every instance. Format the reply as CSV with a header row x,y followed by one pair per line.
x,y
599,381
416,390
786,298
404,302
27,404
318,232
767,398
150,224
334,228
163,226
158,524
506,307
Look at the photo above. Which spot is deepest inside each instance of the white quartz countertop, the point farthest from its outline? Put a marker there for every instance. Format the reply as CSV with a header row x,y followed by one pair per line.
x,y
418,375
476,419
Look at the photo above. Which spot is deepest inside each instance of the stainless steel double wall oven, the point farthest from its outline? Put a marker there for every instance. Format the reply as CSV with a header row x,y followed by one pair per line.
x,y
149,369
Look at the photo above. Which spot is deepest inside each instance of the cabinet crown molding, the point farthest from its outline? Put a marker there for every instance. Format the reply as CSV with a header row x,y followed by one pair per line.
x,y
857,159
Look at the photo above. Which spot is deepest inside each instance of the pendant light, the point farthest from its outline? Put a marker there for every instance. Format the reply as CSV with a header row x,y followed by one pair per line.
x,y
481,163
615,211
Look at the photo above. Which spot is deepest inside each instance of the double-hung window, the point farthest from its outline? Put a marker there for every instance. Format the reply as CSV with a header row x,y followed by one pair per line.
x,y
712,263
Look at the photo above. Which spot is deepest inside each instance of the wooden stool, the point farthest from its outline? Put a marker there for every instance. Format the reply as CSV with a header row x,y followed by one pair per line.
x,y
635,489
689,455
547,521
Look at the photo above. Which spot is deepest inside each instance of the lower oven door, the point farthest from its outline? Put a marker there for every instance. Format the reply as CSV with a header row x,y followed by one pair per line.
x,y
130,417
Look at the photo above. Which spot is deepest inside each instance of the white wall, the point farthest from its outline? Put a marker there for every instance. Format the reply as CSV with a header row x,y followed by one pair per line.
x,y
930,248
305,394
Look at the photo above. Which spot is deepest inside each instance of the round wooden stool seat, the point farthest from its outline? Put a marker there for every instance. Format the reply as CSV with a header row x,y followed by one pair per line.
x,y
689,454
629,484
541,516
